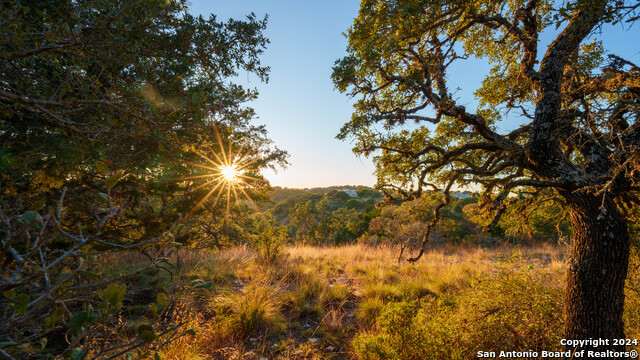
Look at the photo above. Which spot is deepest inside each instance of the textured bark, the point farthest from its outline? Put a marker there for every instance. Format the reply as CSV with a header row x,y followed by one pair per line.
x,y
594,300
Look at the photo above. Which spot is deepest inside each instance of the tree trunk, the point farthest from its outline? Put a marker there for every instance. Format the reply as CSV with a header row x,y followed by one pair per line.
x,y
597,271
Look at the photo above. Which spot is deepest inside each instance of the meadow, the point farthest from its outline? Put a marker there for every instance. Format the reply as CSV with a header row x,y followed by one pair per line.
x,y
358,302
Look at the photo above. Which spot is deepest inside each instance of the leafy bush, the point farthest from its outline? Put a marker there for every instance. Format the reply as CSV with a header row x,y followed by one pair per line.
x,y
514,309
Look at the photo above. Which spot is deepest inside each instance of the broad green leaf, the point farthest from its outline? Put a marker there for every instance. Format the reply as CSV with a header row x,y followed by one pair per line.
x,y
191,332
20,303
37,205
55,317
101,166
113,179
9,294
145,332
27,218
77,320
78,354
90,274
205,285
114,293
161,298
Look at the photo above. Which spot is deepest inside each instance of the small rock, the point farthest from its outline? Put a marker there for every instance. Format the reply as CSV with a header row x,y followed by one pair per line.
x,y
330,348
314,340
253,339
306,326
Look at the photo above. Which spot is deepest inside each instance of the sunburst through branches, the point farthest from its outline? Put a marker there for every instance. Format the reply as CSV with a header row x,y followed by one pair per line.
x,y
226,171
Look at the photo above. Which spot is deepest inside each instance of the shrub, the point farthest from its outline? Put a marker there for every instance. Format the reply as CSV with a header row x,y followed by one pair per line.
x,y
514,309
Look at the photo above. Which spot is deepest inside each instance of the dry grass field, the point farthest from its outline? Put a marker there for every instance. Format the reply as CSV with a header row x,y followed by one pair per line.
x,y
359,302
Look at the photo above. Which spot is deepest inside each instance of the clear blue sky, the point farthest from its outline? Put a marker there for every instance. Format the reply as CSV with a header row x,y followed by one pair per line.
x,y
302,111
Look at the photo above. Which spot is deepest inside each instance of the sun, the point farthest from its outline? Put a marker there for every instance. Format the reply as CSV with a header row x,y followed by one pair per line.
x,y
230,173
226,171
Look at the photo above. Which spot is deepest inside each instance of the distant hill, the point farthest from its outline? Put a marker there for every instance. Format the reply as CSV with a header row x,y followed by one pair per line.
x,y
284,200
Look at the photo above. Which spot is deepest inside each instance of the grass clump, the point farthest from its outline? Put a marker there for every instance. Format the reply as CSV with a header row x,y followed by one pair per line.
x,y
368,310
334,295
254,310
302,299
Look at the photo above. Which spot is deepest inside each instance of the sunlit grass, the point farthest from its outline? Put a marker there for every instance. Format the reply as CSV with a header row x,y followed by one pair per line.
x,y
317,302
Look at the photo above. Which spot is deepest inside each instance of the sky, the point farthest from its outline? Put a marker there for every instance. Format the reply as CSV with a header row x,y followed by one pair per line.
x,y
299,105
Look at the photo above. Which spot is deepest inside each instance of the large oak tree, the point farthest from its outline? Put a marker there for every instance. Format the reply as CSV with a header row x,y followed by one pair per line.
x,y
579,143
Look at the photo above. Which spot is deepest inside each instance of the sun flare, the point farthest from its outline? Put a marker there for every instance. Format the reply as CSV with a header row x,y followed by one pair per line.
x,y
230,173
226,171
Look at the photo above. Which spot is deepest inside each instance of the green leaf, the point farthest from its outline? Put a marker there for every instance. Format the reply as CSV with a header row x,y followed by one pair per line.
x,y
6,343
37,205
191,332
43,343
114,293
55,317
78,354
77,320
101,166
129,356
113,179
161,298
205,285
20,303
27,217
9,294
90,274
156,356
145,332
116,308
91,316
104,196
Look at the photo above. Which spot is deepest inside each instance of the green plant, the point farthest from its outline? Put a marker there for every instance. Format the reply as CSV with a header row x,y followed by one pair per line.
x,y
255,309
517,309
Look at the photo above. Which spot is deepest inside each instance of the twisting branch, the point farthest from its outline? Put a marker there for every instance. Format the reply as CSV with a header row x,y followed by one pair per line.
x,y
436,218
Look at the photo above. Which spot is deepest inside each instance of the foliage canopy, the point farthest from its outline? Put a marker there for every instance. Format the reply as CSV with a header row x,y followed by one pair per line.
x,y
110,114
579,144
